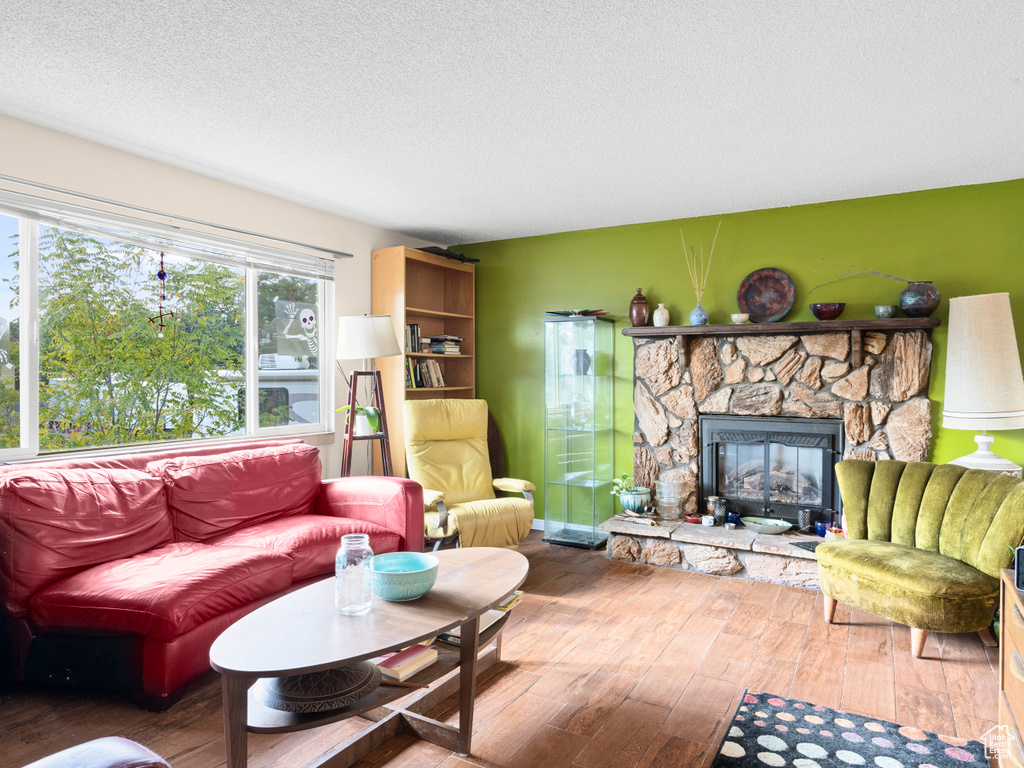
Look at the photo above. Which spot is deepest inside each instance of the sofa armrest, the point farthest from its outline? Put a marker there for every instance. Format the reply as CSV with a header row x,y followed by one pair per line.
x,y
393,502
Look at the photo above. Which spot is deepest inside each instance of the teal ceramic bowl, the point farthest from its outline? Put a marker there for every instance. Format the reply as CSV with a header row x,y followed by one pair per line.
x,y
402,576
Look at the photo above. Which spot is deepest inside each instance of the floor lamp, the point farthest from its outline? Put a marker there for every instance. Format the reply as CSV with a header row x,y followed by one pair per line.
x,y
984,387
366,337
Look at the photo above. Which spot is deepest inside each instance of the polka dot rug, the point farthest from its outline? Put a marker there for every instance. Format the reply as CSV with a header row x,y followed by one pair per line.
x,y
772,731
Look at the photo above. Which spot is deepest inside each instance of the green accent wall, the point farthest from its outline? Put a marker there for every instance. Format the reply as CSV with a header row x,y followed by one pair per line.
x,y
967,240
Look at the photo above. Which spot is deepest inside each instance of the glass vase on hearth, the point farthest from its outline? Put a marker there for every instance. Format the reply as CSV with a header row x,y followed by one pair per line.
x,y
353,580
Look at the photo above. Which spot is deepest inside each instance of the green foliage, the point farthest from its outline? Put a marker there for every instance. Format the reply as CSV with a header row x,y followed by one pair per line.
x,y
371,413
622,483
106,377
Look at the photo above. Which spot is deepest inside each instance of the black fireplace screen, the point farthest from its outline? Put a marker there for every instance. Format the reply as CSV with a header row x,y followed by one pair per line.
x,y
770,467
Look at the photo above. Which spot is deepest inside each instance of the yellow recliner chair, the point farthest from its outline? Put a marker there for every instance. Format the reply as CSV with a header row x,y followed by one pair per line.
x,y
446,453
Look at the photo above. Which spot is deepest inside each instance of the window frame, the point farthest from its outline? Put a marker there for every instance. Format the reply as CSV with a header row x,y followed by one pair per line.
x,y
320,269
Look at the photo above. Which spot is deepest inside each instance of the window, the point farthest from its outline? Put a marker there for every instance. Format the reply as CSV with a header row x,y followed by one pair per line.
x,y
96,350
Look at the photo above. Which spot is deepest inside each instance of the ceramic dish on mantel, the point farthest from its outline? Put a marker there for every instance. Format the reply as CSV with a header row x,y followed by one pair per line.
x,y
766,295
766,524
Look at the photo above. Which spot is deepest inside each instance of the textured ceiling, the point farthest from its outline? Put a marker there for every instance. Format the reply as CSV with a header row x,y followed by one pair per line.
x,y
461,121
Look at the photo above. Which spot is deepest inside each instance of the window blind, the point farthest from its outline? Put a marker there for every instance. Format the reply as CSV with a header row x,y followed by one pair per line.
x,y
167,237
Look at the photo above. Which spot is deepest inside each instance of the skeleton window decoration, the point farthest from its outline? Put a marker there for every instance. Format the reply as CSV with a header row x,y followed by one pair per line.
x,y
298,337
308,319
158,320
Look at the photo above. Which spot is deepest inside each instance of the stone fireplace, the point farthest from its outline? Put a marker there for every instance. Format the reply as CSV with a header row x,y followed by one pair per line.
x,y
872,376
865,382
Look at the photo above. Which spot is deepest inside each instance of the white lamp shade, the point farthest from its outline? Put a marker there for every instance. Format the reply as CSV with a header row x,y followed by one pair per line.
x,y
984,386
364,337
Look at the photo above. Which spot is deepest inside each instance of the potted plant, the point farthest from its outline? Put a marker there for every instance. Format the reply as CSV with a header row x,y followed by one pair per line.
x,y
633,498
367,419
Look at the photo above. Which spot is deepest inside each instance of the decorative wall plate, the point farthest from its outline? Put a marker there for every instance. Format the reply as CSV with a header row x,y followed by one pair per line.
x,y
766,295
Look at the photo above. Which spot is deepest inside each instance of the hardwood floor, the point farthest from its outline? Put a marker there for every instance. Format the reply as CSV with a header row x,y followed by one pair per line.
x,y
606,664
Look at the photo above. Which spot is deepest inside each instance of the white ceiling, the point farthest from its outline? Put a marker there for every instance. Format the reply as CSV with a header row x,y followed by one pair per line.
x,y
461,121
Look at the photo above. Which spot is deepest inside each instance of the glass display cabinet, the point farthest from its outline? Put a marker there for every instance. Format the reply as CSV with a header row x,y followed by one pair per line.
x,y
578,429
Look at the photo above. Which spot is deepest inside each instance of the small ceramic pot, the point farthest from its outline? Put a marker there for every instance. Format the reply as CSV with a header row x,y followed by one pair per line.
x,y
639,309
660,316
740,317
635,499
362,426
885,311
919,299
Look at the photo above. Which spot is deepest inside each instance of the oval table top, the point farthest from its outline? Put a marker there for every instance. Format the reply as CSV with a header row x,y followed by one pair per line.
x,y
304,632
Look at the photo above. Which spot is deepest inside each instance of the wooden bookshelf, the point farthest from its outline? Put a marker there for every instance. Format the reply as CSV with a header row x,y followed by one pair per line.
x,y
439,295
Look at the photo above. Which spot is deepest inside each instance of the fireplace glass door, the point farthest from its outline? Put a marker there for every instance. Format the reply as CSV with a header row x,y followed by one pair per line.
x,y
770,467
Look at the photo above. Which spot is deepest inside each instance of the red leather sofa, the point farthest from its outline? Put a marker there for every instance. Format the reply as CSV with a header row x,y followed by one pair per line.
x,y
120,572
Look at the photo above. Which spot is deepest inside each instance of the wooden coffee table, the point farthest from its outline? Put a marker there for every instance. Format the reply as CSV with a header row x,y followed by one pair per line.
x,y
303,632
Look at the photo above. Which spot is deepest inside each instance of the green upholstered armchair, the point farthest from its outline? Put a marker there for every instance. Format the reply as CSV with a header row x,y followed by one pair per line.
x,y
925,544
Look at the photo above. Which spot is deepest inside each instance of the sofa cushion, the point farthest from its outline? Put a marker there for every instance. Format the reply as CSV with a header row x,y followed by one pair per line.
x,y
211,495
910,586
54,523
162,593
311,541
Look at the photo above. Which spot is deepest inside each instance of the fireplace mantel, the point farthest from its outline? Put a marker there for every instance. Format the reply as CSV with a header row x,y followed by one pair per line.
x,y
855,327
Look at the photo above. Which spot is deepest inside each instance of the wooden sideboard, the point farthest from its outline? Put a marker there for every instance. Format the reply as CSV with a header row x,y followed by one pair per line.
x,y
1011,669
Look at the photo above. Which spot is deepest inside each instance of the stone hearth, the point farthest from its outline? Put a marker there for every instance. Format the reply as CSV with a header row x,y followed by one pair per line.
x,y
875,382
690,547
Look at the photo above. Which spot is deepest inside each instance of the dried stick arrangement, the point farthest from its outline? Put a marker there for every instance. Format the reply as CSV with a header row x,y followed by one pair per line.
x,y
695,264
863,271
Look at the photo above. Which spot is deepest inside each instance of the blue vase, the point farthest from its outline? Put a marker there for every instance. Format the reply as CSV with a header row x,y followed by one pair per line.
x,y
699,315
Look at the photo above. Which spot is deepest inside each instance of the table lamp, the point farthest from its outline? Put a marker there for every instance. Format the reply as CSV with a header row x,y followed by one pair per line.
x,y
366,337
984,386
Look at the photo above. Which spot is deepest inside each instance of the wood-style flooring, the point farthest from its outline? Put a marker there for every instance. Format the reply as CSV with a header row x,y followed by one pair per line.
x,y
605,664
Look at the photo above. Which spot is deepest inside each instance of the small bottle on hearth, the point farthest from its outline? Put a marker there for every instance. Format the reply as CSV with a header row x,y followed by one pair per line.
x,y
353,580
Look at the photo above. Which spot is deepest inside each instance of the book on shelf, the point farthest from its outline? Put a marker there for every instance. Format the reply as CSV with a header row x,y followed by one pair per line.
x,y
412,337
486,620
406,663
436,374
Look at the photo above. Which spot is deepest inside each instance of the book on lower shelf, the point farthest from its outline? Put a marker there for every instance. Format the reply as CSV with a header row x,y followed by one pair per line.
x,y
408,662
486,620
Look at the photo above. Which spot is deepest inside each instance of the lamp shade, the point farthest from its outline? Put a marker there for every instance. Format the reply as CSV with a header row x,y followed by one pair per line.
x,y
364,337
984,387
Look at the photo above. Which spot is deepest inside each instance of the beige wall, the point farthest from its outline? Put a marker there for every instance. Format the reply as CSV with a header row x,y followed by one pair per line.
x,y
41,155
